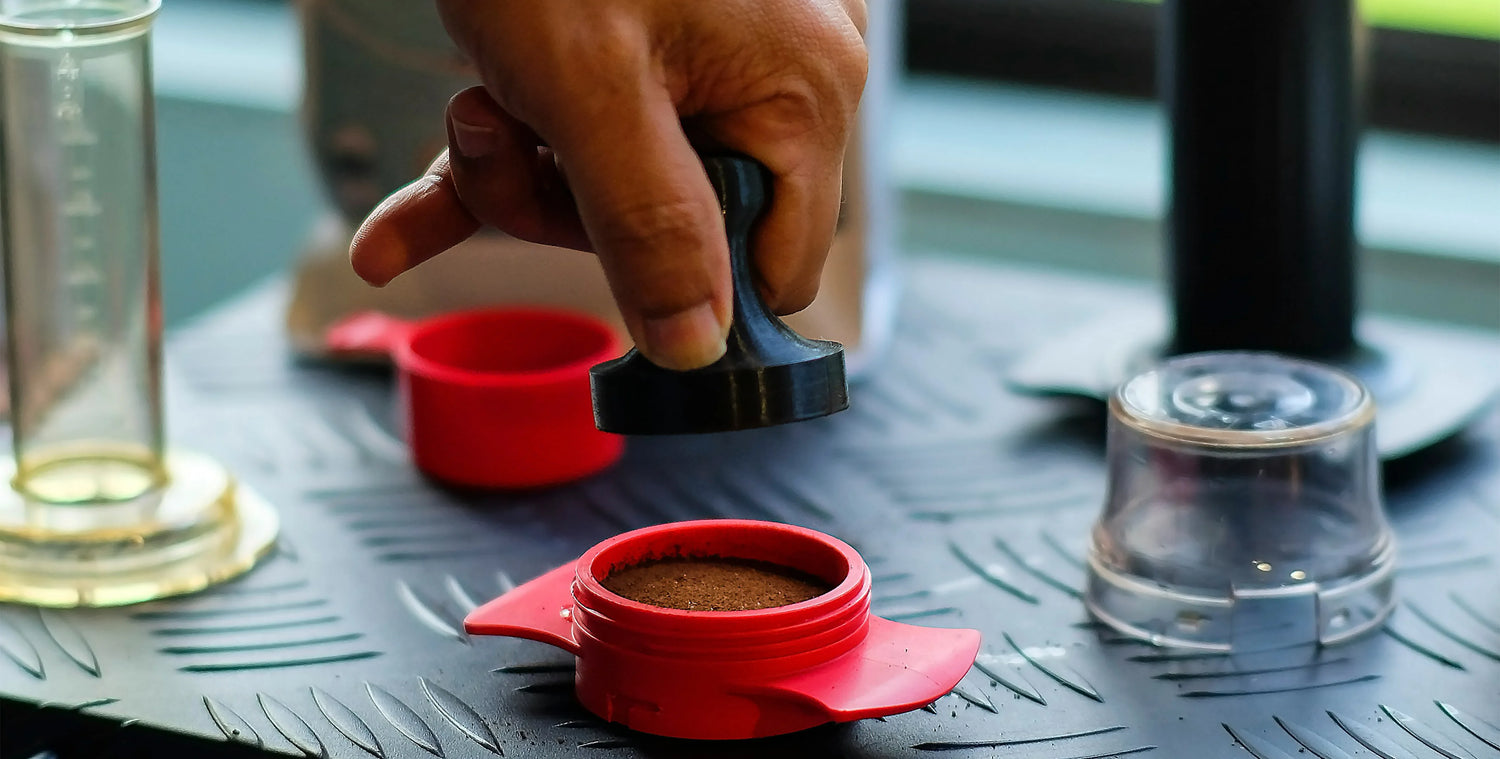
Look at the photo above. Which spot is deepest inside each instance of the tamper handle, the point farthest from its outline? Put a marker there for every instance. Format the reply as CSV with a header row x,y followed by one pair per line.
x,y
757,336
741,185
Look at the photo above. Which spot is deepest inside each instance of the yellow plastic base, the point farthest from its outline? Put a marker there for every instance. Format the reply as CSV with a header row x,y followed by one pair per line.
x,y
199,528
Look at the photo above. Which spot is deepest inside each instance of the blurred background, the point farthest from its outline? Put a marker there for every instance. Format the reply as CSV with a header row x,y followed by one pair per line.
x,y
1023,131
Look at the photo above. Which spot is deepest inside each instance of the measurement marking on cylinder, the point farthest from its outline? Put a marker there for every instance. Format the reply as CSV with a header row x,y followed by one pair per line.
x,y
75,135
67,68
70,107
82,204
82,276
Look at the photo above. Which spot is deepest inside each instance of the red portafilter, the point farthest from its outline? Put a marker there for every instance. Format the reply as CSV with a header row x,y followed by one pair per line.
x,y
731,674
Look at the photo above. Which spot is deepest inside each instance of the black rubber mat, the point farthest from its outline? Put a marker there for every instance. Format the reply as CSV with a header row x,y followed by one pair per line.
x,y
971,504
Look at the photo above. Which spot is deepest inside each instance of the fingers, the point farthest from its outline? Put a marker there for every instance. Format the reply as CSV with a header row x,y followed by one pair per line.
x,y
416,223
494,172
792,240
798,127
792,243
652,218
506,177
589,151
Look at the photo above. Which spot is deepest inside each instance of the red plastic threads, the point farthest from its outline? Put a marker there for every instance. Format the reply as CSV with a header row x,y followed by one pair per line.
x,y
495,398
731,674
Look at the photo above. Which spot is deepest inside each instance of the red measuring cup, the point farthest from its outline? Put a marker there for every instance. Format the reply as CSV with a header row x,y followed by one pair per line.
x,y
731,674
494,398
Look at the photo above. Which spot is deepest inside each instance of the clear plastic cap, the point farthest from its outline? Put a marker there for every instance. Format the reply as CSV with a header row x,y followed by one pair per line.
x,y
1243,509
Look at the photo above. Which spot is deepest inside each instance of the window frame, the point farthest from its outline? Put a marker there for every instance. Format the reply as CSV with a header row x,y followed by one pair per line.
x,y
1417,81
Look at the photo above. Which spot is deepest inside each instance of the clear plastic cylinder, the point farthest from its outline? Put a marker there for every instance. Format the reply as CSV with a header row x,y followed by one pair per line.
x,y
98,511
1244,507
77,161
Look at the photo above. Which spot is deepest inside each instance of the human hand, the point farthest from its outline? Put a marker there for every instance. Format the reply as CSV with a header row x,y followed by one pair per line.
x,y
585,132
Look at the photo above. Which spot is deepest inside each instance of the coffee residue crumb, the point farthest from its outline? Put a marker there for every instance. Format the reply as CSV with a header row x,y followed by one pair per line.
x,y
712,583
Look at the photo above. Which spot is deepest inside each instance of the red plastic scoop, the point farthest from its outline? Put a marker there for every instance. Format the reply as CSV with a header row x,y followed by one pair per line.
x,y
495,398
731,674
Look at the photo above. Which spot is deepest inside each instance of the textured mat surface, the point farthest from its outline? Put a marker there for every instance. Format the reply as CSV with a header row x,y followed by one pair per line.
x,y
971,504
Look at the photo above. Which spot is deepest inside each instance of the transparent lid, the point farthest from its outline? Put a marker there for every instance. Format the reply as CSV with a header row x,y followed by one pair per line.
x,y
1243,505
1243,400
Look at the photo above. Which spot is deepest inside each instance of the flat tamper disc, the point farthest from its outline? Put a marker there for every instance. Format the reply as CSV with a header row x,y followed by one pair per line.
x,y
769,374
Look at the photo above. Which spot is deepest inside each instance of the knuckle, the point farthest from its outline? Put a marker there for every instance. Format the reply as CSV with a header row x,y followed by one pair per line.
x,y
617,38
857,62
839,39
859,15
589,66
832,85
852,67
654,229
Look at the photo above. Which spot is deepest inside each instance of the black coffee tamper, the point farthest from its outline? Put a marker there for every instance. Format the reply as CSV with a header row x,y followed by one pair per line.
x,y
769,374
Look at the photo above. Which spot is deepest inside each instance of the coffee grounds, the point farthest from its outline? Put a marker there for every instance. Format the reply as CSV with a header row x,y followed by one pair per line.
x,y
712,583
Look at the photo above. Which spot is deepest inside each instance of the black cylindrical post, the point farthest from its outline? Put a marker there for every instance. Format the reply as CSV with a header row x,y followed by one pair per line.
x,y
1261,96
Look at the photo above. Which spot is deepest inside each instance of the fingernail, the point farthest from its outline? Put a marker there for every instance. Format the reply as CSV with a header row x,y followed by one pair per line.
x,y
689,339
474,141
